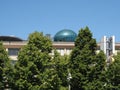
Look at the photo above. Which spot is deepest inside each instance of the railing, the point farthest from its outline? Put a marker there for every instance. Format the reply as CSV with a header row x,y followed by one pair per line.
x,y
14,42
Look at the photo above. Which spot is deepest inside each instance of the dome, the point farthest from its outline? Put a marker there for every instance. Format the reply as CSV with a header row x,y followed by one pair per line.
x,y
9,38
65,35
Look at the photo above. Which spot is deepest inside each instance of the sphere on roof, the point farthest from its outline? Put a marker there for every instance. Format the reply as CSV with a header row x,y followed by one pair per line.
x,y
65,35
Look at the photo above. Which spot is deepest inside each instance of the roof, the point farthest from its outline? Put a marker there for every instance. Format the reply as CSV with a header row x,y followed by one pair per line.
x,y
10,38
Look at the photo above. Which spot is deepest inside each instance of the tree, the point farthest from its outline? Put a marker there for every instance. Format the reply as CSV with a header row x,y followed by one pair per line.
x,y
40,41
113,74
60,64
33,70
98,72
51,79
4,67
28,68
84,61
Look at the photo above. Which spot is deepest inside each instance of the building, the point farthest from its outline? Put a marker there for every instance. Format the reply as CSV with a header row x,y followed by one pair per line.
x,y
63,42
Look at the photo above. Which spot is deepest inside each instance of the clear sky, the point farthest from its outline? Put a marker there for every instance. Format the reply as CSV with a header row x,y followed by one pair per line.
x,y
22,17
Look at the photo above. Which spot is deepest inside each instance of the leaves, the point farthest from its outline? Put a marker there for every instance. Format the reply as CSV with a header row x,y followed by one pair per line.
x,y
42,42
5,67
34,69
113,74
86,66
37,70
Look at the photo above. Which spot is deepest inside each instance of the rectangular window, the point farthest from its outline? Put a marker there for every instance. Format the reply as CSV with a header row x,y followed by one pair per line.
x,y
13,51
68,51
61,51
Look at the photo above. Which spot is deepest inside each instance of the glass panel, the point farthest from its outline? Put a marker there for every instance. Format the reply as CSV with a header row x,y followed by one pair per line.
x,y
62,51
13,51
68,51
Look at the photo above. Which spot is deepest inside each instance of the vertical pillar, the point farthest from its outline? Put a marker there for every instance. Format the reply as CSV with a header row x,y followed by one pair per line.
x,y
108,46
113,44
103,44
65,51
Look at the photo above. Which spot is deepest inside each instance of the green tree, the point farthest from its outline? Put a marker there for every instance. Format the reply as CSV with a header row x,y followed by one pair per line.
x,y
40,41
84,62
28,68
4,68
113,74
33,69
97,73
60,64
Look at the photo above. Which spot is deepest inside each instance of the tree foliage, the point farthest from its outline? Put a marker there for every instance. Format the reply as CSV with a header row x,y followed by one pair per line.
x,y
113,74
33,69
28,67
85,64
97,74
40,41
60,64
4,67
37,69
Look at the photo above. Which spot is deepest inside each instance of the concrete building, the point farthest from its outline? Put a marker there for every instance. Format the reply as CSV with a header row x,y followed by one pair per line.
x,y
63,42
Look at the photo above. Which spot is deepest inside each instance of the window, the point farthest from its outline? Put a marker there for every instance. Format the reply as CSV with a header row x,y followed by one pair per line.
x,y
68,51
13,51
61,51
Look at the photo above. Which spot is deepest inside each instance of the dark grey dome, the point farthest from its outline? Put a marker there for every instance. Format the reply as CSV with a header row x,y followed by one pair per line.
x,y
9,38
65,35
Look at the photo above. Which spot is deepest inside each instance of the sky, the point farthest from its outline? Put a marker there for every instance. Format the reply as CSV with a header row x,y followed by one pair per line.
x,y
22,17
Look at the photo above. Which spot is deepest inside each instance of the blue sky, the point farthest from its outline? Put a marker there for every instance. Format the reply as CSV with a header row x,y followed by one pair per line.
x,y
22,17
